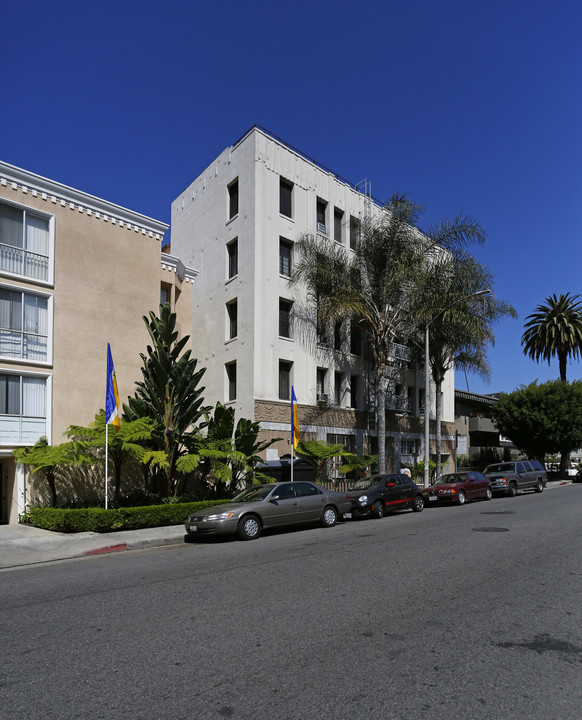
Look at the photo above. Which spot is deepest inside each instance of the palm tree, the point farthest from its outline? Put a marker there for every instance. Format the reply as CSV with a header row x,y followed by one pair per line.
x,y
461,317
373,286
554,329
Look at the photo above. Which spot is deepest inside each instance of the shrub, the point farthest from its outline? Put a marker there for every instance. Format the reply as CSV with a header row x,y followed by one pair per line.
x,y
111,520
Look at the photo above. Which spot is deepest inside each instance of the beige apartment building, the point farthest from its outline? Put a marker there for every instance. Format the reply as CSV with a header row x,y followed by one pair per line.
x,y
76,272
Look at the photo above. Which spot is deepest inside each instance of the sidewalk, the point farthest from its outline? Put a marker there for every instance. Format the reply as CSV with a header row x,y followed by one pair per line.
x,y
24,545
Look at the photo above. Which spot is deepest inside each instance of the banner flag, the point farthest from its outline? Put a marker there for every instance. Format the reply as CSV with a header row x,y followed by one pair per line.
x,y
294,420
112,404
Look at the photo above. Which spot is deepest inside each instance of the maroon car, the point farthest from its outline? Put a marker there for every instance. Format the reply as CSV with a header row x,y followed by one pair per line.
x,y
458,488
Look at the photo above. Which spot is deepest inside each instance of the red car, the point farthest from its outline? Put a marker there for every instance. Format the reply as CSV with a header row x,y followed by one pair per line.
x,y
458,488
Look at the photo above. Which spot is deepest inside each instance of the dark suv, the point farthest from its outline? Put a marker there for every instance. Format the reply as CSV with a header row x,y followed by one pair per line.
x,y
380,494
509,477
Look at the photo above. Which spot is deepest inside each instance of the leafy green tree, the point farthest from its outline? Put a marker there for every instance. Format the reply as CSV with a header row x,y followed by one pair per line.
x,y
554,330
49,460
319,451
169,392
124,444
542,419
461,318
356,463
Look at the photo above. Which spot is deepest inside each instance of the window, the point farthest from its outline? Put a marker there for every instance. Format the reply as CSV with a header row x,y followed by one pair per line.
x,y
285,308
232,250
355,230
355,339
338,388
284,492
305,489
338,216
22,408
409,446
24,243
285,197
337,336
320,381
232,311
321,208
285,257
165,294
285,380
233,199
231,381
23,325
354,382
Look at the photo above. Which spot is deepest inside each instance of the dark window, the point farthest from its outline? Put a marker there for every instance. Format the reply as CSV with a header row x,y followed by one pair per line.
x,y
355,229
285,380
232,248
231,378
337,224
320,380
321,212
233,199
285,307
285,197
9,395
165,294
338,388
354,391
337,336
304,489
232,309
355,339
284,492
285,257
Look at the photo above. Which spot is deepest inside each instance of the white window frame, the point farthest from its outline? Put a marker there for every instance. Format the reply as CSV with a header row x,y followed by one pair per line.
x,y
49,344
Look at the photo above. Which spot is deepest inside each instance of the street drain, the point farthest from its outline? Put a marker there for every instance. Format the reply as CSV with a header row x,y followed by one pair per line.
x,y
490,529
498,512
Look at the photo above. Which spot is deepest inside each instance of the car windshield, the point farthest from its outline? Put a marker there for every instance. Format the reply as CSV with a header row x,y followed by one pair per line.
x,y
500,467
366,483
445,479
253,494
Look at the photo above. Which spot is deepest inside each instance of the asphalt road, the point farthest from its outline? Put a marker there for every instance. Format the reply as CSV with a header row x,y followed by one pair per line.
x,y
461,612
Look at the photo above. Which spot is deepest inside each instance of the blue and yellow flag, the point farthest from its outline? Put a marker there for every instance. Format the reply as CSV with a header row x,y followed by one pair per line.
x,y
294,419
112,404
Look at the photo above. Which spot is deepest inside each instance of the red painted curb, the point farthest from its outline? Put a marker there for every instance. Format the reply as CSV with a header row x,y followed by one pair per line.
x,y
110,548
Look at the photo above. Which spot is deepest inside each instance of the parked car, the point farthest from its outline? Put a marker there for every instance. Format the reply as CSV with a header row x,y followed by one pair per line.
x,y
380,494
509,477
458,488
268,506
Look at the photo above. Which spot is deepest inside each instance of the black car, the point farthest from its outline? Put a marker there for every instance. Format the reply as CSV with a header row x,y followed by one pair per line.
x,y
380,494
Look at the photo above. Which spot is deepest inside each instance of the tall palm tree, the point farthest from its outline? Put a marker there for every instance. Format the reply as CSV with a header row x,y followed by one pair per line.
x,y
373,285
461,318
554,330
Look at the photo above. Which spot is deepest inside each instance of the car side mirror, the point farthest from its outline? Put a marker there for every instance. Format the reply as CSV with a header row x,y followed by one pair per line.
x,y
273,498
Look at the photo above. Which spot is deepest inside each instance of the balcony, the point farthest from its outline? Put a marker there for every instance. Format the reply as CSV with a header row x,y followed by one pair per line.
x,y
397,403
482,424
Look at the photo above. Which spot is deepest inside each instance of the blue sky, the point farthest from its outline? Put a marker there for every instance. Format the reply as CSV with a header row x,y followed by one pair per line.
x,y
467,106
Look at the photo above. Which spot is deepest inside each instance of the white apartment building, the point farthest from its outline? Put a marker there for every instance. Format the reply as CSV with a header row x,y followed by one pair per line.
x,y
237,224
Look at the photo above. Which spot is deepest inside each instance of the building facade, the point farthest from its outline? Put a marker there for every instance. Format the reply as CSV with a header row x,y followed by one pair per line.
x,y
237,223
76,272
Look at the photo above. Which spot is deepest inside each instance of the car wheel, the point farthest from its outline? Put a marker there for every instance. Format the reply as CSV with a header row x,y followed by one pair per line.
x,y
488,494
512,489
539,486
328,516
377,510
418,503
461,497
249,528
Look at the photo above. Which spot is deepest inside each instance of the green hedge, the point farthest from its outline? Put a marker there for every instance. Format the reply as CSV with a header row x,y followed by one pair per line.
x,y
103,521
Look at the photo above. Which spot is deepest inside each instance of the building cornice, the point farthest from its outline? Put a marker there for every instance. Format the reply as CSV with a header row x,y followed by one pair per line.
x,y
55,192
174,264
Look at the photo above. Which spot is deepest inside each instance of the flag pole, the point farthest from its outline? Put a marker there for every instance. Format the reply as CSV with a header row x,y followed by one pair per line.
x,y
106,457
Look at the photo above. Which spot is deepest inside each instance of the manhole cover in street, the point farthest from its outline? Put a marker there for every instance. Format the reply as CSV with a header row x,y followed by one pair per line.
x,y
490,529
498,512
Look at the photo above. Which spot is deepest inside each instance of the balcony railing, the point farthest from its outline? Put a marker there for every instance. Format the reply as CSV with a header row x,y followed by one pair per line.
x,y
398,403
22,262
482,424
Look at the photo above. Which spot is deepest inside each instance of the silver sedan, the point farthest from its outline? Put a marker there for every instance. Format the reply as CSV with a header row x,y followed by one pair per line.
x,y
270,506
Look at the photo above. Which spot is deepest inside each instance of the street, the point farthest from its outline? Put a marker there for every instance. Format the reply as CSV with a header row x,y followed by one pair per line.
x,y
453,613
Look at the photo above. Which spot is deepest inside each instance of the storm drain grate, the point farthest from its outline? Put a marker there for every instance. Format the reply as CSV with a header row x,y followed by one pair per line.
x,y
490,529
498,512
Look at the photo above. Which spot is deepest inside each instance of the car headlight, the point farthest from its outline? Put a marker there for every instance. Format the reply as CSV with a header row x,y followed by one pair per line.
x,y
447,492
220,516
363,499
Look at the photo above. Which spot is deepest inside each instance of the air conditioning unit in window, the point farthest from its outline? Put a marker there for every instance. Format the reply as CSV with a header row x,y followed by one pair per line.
x,y
322,228
322,398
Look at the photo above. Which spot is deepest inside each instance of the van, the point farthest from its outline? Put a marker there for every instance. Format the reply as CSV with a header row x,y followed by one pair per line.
x,y
509,477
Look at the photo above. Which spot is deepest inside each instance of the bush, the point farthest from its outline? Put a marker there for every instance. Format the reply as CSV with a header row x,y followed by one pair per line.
x,y
102,521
